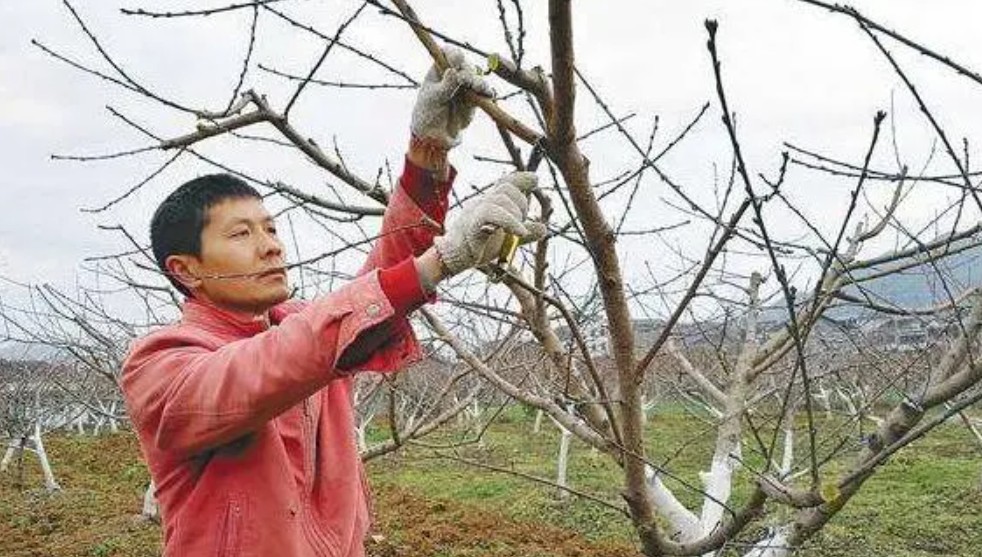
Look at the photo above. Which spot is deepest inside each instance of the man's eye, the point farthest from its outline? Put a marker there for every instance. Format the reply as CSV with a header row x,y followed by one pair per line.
x,y
271,230
239,233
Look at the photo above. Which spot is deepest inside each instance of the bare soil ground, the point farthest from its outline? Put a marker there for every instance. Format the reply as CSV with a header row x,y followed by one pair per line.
x,y
96,514
418,525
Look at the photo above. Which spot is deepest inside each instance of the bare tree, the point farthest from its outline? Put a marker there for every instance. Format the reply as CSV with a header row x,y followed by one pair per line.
x,y
25,384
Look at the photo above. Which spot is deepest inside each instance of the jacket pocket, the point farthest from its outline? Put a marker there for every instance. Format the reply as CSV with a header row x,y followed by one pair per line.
x,y
230,533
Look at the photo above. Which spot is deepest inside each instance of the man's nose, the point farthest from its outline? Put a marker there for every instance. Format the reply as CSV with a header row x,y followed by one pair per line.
x,y
270,245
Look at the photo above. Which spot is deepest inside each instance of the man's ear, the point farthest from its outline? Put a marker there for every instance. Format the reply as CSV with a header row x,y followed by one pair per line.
x,y
184,269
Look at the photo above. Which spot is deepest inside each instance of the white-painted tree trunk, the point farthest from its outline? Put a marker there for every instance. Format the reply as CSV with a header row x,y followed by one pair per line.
x,y
360,439
683,523
562,462
49,477
537,426
823,398
718,480
647,406
20,445
774,545
15,446
718,485
109,412
847,400
113,424
151,510
787,457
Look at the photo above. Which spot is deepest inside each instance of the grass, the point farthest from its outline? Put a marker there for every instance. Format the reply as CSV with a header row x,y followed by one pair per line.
x,y
95,515
925,501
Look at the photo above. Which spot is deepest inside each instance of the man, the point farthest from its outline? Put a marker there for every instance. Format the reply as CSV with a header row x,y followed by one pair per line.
x,y
243,408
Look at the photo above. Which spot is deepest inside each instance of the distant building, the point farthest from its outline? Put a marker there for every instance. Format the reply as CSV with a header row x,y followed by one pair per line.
x,y
906,333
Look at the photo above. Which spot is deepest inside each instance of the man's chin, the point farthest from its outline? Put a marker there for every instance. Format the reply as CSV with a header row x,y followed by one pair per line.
x,y
269,299
278,297
255,300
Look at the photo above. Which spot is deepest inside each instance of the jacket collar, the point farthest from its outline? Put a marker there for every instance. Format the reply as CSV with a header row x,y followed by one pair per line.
x,y
207,315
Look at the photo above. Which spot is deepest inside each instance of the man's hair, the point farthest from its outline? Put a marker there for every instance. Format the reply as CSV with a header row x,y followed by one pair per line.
x,y
177,223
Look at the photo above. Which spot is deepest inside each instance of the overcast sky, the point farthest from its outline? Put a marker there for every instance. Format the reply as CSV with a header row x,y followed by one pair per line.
x,y
793,73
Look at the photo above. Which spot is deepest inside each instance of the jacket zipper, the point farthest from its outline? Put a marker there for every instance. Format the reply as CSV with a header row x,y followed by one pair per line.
x,y
308,448
306,521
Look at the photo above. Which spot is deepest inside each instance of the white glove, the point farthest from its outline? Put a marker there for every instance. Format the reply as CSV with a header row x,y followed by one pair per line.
x,y
476,234
441,111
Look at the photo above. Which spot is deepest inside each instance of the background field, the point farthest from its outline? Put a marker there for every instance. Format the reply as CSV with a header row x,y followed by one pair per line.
x,y
926,501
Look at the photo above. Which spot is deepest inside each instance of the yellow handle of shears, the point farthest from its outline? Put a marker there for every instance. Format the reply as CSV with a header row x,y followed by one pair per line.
x,y
508,249
510,245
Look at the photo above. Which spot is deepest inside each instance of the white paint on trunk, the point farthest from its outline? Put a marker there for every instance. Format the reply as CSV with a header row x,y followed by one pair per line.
x,y
718,484
823,398
49,478
683,523
562,463
847,400
113,422
788,456
361,441
537,426
562,460
648,407
774,545
20,445
15,446
151,510
361,431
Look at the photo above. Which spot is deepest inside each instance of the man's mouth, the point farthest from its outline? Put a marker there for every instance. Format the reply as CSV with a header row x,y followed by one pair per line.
x,y
275,272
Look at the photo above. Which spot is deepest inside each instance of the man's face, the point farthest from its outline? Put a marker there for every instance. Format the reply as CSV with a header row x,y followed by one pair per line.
x,y
241,265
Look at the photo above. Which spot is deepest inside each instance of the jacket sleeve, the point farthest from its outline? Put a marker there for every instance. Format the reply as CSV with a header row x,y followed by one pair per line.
x,y
415,216
188,396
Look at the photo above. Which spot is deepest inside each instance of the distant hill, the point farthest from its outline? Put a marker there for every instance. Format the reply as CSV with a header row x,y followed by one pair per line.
x,y
918,287
19,351
924,285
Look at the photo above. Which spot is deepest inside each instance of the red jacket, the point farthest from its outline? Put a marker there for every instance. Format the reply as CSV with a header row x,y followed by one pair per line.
x,y
248,429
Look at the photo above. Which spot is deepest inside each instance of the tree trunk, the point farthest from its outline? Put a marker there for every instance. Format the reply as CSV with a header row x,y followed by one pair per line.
x,y
562,462
151,510
774,545
14,447
49,478
537,426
